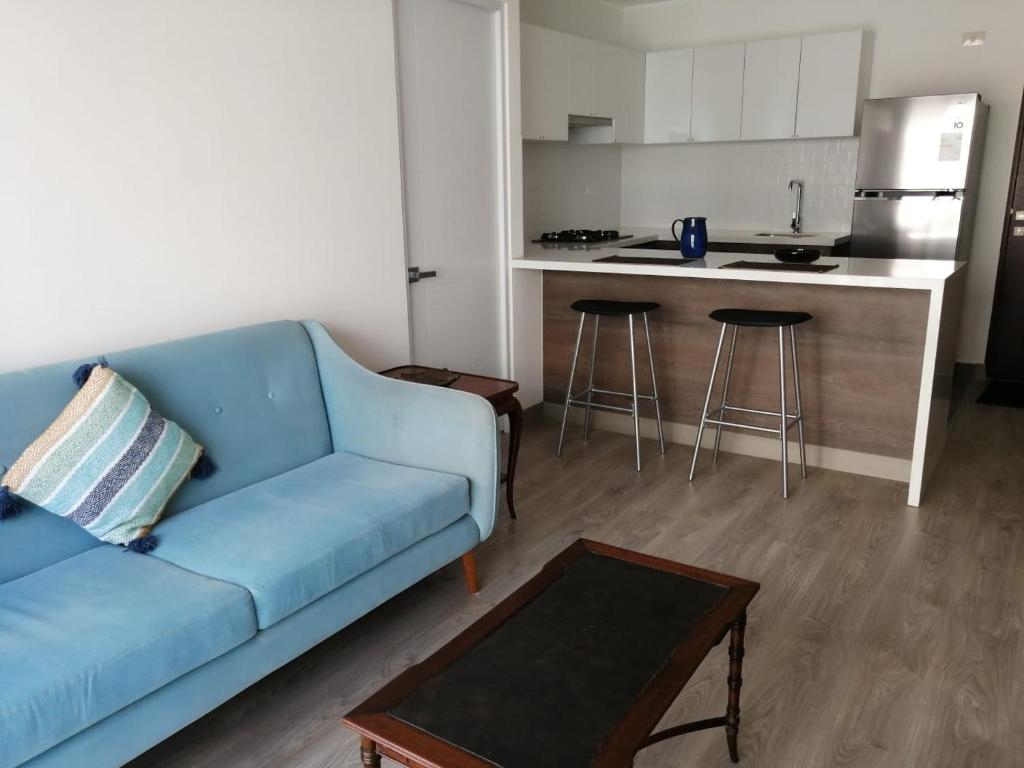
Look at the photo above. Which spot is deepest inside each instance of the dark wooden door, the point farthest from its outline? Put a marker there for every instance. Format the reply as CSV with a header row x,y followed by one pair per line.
x,y
1005,357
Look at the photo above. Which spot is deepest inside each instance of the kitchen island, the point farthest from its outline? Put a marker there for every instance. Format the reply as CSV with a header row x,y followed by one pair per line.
x,y
877,361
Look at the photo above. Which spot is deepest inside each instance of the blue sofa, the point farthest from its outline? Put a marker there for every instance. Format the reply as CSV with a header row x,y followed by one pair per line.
x,y
336,489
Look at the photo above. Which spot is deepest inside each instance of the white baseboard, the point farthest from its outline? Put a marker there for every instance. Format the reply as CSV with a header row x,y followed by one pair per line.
x,y
869,464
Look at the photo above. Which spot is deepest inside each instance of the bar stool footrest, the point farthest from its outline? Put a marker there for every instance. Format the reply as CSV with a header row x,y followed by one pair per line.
x,y
718,413
600,406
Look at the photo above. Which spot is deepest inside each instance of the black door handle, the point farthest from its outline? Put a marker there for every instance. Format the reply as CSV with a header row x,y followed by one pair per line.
x,y
415,275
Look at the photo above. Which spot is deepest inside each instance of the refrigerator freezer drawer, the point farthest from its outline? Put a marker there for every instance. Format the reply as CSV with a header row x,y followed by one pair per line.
x,y
917,143
919,227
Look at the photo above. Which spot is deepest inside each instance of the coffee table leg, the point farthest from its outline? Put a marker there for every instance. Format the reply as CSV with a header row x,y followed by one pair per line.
x,y
732,712
368,753
515,431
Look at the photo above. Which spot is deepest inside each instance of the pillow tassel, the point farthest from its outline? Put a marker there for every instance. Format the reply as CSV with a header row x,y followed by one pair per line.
x,y
204,467
143,545
9,505
81,374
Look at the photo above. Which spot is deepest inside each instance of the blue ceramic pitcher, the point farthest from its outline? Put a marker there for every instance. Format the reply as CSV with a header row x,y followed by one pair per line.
x,y
693,242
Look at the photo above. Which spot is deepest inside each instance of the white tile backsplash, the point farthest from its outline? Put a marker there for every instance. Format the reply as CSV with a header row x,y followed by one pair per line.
x,y
740,185
556,179
736,185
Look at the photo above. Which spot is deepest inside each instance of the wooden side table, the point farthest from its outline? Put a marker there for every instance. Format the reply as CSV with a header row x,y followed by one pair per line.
x,y
500,393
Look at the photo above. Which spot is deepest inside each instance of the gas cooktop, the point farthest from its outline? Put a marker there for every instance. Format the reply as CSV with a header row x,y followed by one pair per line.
x,y
582,236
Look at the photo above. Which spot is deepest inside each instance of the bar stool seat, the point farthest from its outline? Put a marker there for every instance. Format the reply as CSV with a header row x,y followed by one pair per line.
x,y
759,318
722,416
630,310
609,307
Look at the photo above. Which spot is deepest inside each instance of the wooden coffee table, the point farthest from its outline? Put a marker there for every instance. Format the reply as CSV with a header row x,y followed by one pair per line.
x,y
500,393
573,670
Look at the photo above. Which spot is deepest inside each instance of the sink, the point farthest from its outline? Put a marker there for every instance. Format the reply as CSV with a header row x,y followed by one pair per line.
x,y
784,234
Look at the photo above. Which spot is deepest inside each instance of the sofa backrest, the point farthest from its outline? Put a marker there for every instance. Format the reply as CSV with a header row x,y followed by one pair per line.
x,y
251,396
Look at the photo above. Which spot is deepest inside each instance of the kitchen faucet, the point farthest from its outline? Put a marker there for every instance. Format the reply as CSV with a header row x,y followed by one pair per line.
x,y
798,213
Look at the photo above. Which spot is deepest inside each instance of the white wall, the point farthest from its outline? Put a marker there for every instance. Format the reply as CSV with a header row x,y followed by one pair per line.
x,y
571,185
740,185
916,51
169,168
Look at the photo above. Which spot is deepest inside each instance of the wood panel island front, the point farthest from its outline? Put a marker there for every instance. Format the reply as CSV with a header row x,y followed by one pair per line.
x,y
876,361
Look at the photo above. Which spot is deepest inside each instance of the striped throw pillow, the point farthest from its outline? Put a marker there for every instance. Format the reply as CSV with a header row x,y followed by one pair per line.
x,y
109,463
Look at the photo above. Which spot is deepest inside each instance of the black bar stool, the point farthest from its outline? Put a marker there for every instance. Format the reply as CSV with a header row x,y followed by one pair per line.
x,y
599,308
756,318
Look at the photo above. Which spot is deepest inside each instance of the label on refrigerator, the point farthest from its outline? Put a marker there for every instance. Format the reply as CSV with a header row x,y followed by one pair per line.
x,y
950,145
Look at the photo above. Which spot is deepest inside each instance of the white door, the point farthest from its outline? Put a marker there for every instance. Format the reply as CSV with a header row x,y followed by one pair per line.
x,y
771,73
668,83
717,92
451,99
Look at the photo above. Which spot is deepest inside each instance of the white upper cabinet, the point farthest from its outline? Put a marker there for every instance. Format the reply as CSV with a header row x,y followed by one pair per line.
x,y
606,80
793,87
667,93
566,75
830,84
771,75
619,91
581,75
717,103
633,71
545,83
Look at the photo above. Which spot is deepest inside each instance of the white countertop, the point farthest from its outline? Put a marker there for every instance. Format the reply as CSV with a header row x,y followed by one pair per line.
x,y
812,239
867,273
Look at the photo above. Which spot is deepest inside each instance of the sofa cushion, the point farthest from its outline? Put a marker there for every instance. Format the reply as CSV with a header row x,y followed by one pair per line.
x,y
89,635
294,538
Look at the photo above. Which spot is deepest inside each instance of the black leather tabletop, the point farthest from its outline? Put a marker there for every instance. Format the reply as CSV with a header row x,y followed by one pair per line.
x,y
547,687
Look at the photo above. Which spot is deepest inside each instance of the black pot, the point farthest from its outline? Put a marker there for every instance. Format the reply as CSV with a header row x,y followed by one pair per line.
x,y
798,255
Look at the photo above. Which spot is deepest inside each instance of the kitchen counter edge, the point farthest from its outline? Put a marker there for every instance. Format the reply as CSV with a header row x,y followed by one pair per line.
x,y
864,273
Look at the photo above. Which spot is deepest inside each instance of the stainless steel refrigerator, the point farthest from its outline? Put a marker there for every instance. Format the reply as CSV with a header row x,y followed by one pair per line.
x,y
917,177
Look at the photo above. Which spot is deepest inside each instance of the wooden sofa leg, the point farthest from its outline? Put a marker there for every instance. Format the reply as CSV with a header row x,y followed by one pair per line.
x,y
469,571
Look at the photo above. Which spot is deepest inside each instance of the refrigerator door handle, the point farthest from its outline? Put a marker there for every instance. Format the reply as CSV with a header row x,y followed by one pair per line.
x,y
876,194
901,194
879,194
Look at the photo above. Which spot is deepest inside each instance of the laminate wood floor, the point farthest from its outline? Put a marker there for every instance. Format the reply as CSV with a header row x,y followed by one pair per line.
x,y
882,636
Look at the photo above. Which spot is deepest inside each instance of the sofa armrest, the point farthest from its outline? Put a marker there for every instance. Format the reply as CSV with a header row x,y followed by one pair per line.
x,y
411,424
